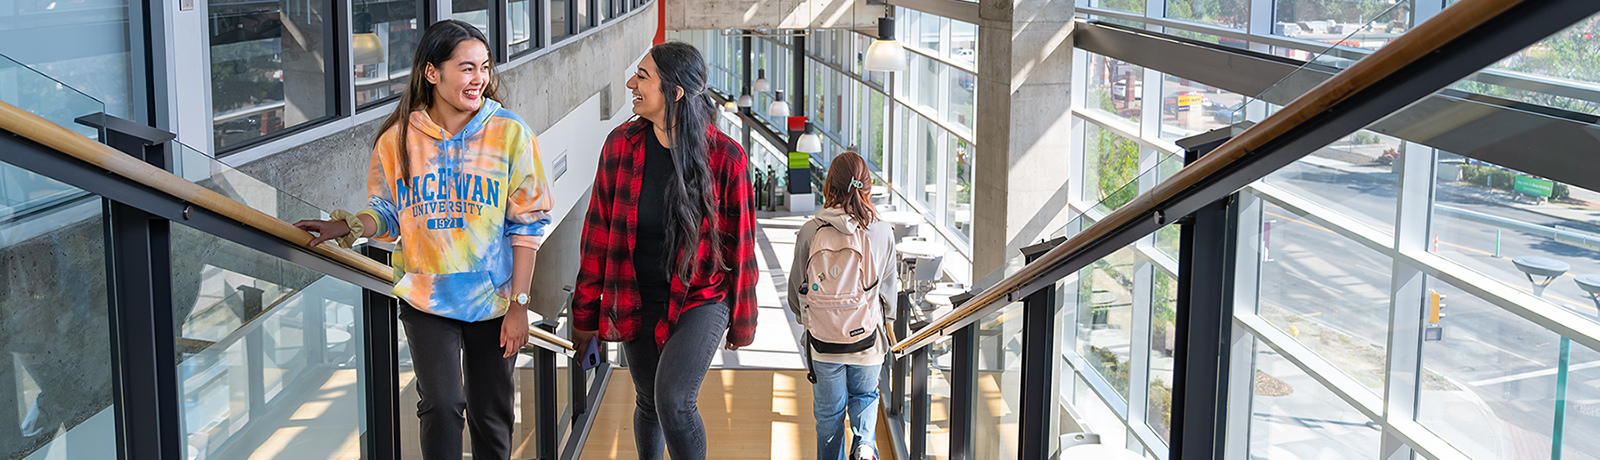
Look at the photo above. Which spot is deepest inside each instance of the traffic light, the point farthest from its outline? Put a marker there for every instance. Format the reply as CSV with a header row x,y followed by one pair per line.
x,y
1435,307
1433,332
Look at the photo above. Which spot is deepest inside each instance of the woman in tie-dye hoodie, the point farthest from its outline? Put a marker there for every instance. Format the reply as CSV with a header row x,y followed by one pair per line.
x,y
456,179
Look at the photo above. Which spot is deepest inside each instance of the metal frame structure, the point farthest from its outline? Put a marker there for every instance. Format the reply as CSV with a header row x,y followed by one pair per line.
x,y
1217,341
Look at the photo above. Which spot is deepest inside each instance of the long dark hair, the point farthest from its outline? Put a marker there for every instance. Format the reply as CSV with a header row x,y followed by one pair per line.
x,y
847,175
438,44
689,197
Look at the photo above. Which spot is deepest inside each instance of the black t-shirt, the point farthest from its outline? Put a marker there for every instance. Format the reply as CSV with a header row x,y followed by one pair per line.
x,y
650,244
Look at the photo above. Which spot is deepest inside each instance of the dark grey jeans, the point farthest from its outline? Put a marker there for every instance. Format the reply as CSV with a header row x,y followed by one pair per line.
x,y
438,345
667,381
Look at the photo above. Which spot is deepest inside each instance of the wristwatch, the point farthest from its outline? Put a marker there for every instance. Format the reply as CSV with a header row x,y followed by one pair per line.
x,y
522,299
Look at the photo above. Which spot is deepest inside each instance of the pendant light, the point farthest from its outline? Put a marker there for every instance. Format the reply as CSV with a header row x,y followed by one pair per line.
x,y
808,142
365,46
778,108
745,101
886,54
761,85
730,107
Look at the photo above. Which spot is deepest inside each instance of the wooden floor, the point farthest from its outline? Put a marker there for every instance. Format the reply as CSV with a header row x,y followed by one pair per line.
x,y
748,413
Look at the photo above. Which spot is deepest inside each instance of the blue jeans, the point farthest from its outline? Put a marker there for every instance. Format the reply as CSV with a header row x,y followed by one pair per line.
x,y
840,387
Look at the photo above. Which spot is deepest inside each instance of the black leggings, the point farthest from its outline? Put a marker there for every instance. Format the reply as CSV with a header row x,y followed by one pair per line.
x,y
438,346
667,381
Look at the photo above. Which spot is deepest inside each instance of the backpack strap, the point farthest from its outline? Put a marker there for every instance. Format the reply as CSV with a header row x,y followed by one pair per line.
x,y
805,349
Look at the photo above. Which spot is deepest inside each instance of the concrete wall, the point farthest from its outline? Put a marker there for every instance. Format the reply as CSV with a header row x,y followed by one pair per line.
x,y
771,14
331,172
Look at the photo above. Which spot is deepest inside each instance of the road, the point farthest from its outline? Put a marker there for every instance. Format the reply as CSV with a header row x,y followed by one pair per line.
x,y
1506,362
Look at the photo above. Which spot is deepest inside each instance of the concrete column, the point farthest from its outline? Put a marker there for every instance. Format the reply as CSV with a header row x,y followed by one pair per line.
x,y
1024,126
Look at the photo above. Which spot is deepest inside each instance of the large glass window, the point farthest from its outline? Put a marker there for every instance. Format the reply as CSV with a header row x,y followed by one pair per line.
x,y
1355,176
1485,216
929,32
1294,416
877,126
99,67
1135,6
265,79
1105,317
1189,107
475,12
963,42
1163,346
1226,13
1115,87
1355,23
385,37
1563,57
926,73
930,137
958,207
963,98
559,13
523,16
1110,163
1330,293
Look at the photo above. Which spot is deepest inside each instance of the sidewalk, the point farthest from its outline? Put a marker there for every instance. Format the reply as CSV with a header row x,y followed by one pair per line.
x,y
1588,217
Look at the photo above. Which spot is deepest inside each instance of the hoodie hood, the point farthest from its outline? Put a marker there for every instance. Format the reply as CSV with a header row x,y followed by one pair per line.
x,y
839,219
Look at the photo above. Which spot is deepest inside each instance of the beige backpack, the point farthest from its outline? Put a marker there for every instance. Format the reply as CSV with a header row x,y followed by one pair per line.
x,y
840,289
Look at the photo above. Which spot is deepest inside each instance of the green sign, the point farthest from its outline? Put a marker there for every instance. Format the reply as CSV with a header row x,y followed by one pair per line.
x,y
1535,187
799,160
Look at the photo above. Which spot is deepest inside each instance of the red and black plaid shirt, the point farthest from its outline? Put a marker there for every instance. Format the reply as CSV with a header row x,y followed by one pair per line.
x,y
607,297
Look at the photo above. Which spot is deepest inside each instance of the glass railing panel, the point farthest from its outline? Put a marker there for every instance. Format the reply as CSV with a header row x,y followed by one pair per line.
x,y
41,95
940,398
1486,216
1489,384
1163,346
55,376
1106,303
997,397
270,353
1294,416
23,192
1356,175
1329,292
1556,72
195,166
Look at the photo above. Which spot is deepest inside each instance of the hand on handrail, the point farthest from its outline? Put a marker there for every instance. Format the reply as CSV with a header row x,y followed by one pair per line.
x,y
325,230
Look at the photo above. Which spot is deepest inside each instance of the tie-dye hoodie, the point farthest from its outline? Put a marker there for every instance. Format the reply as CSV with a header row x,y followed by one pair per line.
x,y
468,200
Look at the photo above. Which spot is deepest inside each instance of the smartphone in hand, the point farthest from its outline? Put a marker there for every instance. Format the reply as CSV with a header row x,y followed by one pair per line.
x,y
591,357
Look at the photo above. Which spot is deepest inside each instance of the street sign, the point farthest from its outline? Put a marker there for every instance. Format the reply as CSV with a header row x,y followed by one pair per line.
x,y
1535,187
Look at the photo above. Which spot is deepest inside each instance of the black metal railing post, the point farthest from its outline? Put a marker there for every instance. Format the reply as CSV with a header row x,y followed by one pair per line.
x,y
897,371
1205,280
381,333
139,285
1041,358
963,385
547,414
919,404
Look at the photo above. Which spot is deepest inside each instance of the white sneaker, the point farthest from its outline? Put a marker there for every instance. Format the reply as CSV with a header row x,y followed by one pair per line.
x,y
866,452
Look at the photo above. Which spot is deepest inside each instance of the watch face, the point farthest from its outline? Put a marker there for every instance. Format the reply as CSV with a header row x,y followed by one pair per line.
x,y
522,298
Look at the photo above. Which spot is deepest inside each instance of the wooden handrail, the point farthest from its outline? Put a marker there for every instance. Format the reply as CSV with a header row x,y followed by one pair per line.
x,y
1447,26
75,145
556,340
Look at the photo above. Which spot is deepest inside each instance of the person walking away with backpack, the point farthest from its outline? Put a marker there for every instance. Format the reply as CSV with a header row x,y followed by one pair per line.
x,y
842,286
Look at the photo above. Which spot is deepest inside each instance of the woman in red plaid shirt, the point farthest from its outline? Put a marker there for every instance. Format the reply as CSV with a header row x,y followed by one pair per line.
x,y
668,249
